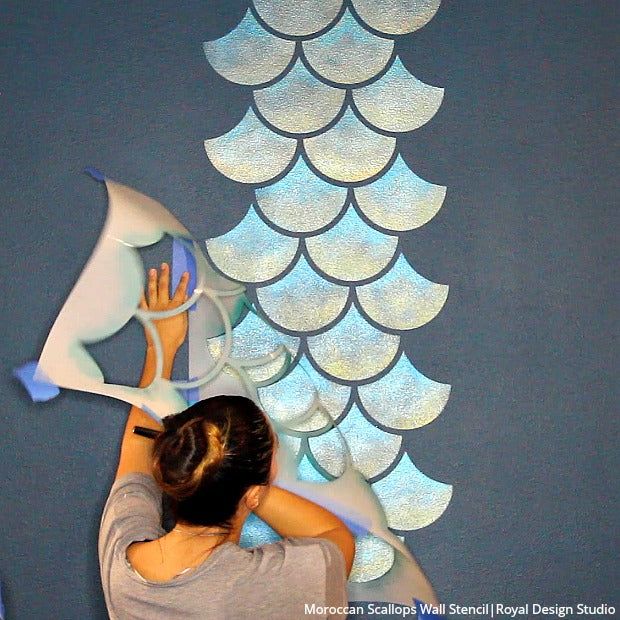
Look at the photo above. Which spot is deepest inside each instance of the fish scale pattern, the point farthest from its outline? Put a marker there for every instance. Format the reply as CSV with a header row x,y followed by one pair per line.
x,y
319,247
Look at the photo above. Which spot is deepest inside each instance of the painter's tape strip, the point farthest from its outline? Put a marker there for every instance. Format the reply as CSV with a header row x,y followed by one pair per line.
x,y
183,260
39,389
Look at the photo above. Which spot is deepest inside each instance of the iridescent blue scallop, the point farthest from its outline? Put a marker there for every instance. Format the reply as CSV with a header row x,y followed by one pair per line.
x,y
249,54
252,252
398,101
404,398
396,16
298,18
301,202
298,103
399,199
402,299
347,53
351,250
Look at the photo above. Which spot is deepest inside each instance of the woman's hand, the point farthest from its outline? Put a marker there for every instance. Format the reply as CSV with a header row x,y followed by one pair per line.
x,y
173,330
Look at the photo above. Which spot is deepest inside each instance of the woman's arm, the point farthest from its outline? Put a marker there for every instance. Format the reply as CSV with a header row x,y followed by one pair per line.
x,y
292,515
136,450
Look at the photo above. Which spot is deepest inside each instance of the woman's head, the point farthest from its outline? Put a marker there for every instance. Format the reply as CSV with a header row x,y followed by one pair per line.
x,y
208,457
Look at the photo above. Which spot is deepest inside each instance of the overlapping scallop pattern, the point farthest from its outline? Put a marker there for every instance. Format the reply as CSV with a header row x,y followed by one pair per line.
x,y
348,53
301,202
396,16
349,152
249,54
298,18
373,558
299,103
302,300
337,350
250,152
402,299
252,252
398,101
404,398
351,250
400,200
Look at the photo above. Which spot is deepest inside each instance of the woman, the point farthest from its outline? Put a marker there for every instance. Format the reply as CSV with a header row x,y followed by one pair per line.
x,y
216,461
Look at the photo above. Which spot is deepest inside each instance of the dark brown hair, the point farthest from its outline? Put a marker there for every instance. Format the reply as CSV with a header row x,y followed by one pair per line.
x,y
209,455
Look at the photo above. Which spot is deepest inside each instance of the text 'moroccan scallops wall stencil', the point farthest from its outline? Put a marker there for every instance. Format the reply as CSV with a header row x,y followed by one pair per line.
x,y
319,247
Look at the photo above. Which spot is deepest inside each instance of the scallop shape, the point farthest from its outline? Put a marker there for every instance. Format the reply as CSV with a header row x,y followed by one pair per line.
x,y
297,402
249,54
299,103
301,202
306,471
351,250
373,557
398,101
347,53
396,16
251,251
250,152
349,151
255,532
402,298
372,449
299,18
404,398
411,499
292,443
399,199
353,350
302,301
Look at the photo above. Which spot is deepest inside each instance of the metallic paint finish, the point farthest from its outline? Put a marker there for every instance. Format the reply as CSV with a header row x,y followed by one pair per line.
x,y
396,16
298,18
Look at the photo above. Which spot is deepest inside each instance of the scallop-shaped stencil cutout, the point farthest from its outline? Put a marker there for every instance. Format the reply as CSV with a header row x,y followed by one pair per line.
x,y
306,471
299,103
396,16
302,301
398,101
298,18
399,199
373,557
372,449
250,152
404,398
301,202
349,151
402,298
252,252
249,54
353,350
347,53
351,250
411,499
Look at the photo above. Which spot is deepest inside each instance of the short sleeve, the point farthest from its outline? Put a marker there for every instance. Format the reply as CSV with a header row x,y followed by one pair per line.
x,y
132,512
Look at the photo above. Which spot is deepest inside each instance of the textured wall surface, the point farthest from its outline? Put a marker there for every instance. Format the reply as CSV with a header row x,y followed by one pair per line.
x,y
526,240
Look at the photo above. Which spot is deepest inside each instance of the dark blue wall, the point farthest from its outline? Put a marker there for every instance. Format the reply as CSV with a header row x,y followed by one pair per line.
x,y
527,240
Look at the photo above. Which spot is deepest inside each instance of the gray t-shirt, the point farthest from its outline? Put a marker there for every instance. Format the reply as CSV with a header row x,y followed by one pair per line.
x,y
273,581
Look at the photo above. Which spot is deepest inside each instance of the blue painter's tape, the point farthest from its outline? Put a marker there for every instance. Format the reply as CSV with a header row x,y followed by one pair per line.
x,y
40,390
151,413
183,260
192,396
426,611
356,528
96,174
2,612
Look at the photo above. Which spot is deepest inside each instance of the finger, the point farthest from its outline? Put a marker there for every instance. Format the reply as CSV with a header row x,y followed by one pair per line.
x,y
142,304
163,292
180,294
152,287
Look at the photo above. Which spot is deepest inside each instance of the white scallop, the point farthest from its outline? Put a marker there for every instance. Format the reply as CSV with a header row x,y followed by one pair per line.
x,y
299,103
250,152
351,251
302,301
350,151
404,398
372,449
301,202
298,18
353,350
347,53
249,54
411,499
398,101
373,558
399,199
396,16
251,251
402,299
